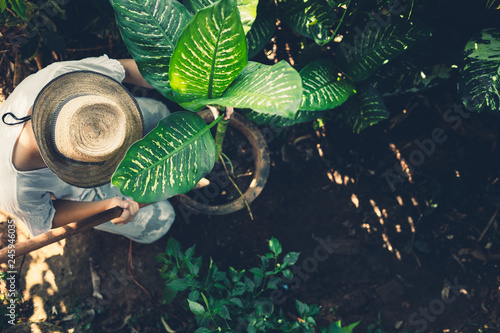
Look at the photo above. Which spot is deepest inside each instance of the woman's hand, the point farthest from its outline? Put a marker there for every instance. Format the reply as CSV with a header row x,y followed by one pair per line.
x,y
130,210
215,112
68,211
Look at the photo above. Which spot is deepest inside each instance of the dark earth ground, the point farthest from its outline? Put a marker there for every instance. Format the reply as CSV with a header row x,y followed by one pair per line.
x,y
377,266
394,249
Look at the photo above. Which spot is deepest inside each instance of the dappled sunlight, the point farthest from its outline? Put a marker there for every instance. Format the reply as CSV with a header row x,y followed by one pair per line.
x,y
367,227
290,58
414,202
272,54
402,162
382,214
377,211
385,223
38,273
416,205
336,177
384,227
320,151
355,200
37,278
412,225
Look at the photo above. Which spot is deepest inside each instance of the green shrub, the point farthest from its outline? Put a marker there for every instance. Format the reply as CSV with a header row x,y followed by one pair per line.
x,y
237,300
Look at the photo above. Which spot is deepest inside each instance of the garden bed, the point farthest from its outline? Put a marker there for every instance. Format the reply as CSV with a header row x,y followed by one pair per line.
x,y
408,248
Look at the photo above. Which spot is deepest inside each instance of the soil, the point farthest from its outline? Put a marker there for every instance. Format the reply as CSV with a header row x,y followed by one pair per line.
x,y
414,250
393,255
238,164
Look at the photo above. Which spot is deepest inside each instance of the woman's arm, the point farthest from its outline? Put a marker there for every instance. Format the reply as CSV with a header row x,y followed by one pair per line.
x,y
72,211
132,74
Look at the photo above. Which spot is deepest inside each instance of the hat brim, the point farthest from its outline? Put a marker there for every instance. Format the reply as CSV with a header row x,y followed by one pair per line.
x,y
64,87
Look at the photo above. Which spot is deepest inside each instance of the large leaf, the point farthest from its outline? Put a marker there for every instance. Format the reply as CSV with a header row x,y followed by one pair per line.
x,y
210,53
150,29
195,5
310,18
262,29
170,160
278,121
362,52
248,13
247,9
479,83
19,7
322,87
275,89
365,109
3,5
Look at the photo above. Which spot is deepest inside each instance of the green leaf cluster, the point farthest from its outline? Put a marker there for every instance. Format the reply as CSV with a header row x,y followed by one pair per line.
x,y
196,54
237,299
328,83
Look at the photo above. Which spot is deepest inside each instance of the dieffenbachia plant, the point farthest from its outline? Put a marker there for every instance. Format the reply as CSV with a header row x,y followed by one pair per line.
x,y
197,56
479,83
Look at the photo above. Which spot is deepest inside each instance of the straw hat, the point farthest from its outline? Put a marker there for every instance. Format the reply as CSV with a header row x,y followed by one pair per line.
x,y
84,122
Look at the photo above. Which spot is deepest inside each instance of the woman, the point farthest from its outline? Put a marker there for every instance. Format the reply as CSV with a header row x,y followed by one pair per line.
x,y
64,131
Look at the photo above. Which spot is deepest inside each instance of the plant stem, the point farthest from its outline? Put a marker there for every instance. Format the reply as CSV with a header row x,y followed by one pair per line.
x,y
237,188
219,137
229,161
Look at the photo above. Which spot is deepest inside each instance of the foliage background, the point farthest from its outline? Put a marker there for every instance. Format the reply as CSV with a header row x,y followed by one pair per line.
x,y
309,196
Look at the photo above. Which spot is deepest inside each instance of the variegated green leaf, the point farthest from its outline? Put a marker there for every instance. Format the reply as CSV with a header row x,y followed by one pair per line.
x,y
365,109
170,160
247,9
310,18
195,5
262,29
363,51
479,83
278,121
322,87
19,7
210,53
248,13
150,29
275,89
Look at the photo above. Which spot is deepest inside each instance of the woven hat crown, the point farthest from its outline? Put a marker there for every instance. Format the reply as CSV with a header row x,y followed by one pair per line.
x,y
84,122
89,128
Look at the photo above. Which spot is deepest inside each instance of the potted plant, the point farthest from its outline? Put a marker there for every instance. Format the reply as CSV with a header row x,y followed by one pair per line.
x,y
196,55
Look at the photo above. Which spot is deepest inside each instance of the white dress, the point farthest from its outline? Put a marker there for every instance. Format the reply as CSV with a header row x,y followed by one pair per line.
x,y
26,194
